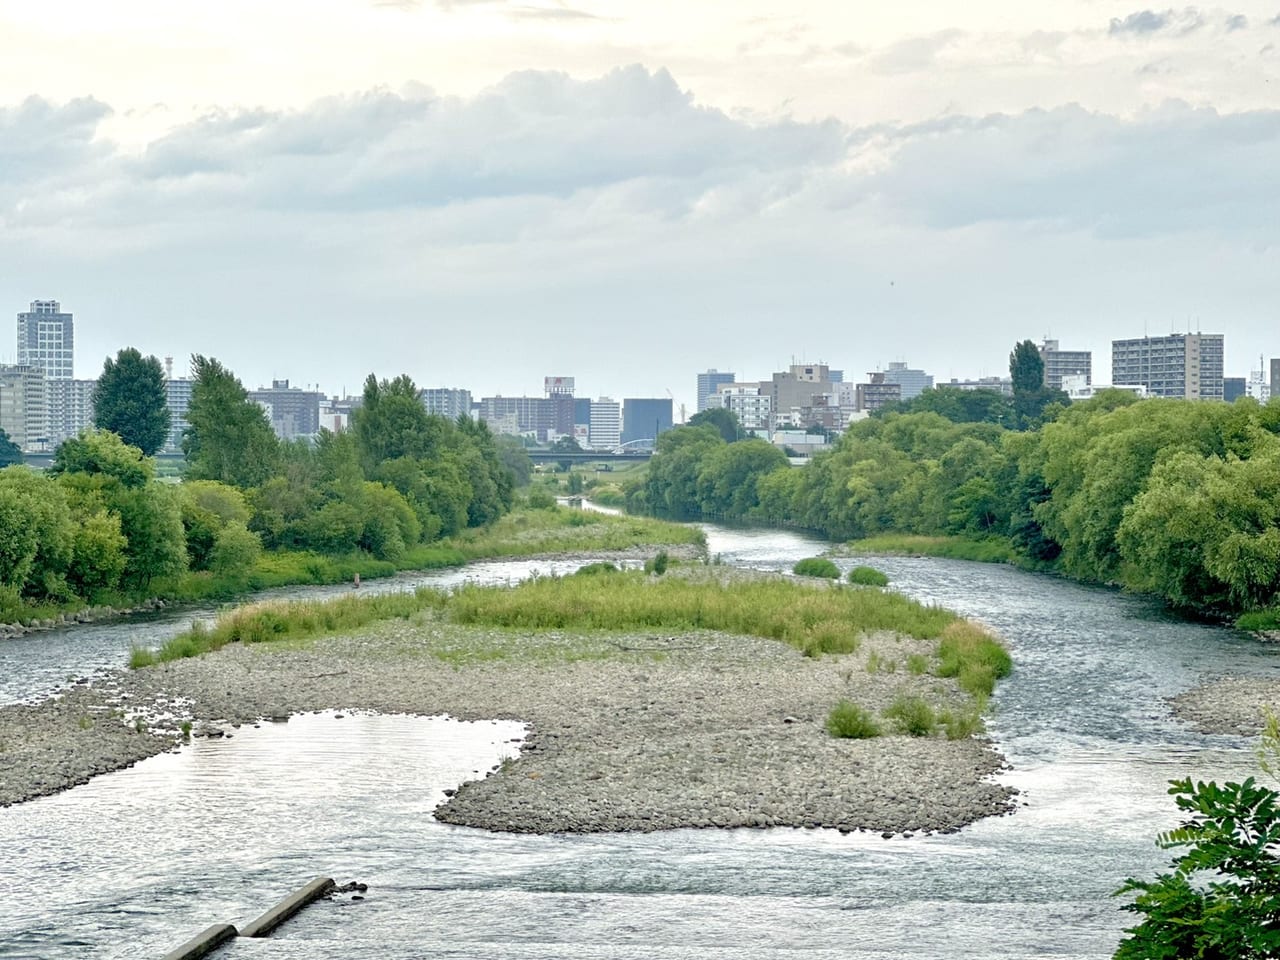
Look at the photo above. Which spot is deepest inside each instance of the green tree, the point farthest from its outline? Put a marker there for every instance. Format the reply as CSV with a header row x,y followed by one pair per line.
x,y
228,437
566,444
9,452
129,400
725,422
1026,368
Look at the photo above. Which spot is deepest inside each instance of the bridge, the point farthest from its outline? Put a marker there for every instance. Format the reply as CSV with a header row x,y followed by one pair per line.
x,y
586,456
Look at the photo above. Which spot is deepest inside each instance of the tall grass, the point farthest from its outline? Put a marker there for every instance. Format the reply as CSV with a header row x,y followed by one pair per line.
x,y
849,721
973,657
816,567
564,530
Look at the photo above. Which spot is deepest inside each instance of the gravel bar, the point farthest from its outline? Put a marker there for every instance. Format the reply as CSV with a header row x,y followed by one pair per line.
x,y
628,732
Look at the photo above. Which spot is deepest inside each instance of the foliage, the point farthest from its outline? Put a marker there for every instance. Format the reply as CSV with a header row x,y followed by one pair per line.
x,y
912,715
725,422
129,400
868,577
973,657
816,567
658,564
560,530
595,569
228,437
847,720
1222,897
540,498
9,451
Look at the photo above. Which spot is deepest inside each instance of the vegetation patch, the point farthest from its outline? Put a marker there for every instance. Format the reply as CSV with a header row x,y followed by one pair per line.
x,y
868,577
849,721
1259,620
816,567
566,530
912,715
982,550
973,657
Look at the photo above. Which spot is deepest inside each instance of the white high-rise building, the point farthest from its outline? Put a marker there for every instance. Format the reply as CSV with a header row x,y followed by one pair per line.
x,y
46,341
606,424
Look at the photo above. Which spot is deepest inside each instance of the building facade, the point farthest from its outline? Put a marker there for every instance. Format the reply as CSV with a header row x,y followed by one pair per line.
x,y
557,386
70,408
709,383
177,397
544,418
1182,365
606,424
46,339
1059,363
294,412
913,382
1233,388
877,392
645,419
746,401
446,402
24,415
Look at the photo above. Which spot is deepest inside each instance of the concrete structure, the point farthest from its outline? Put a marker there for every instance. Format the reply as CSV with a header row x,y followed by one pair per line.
x,y
746,401
804,444
1257,387
70,408
796,389
1233,388
1077,388
294,412
998,384
645,419
912,382
606,424
1059,363
1183,365
709,383
177,397
1275,374
446,402
543,418
877,392
24,413
46,339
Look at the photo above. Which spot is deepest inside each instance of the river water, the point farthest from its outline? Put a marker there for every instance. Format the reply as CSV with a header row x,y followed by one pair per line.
x,y
134,862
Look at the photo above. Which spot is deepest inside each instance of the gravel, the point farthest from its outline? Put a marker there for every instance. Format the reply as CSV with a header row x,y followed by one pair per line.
x,y
628,732
1231,705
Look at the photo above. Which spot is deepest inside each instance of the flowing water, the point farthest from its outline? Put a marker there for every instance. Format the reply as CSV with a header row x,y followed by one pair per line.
x,y
134,862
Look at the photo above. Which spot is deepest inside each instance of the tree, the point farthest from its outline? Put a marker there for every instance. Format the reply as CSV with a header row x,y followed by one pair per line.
x,y
1026,368
229,437
9,451
566,444
129,400
725,421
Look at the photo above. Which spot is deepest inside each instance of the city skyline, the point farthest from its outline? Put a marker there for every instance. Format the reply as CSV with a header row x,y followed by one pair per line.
x,y
479,192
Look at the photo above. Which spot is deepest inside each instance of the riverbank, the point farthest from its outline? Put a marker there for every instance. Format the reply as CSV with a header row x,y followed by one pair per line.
x,y
632,731
1230,705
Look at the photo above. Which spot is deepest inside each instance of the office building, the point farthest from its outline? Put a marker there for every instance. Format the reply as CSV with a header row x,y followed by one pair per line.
x,y
70,408
543,418
294,412
1233,388
708,383
606,424
1183,365
1059,363
794,390
1275,374
913,382
446,402
1002,385
46,339
645,419
1257,387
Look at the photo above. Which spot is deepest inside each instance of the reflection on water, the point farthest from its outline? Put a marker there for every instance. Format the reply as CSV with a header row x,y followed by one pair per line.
x,y
228,826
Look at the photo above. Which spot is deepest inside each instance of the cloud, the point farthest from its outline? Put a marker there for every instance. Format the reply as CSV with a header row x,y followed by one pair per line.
x,y
521,11
1146,22
1236,22
915,53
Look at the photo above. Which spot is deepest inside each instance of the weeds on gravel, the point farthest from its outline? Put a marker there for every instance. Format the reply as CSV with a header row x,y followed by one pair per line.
x,y
849,721
816,567
867,577
913,715
969,654
563,530
955,548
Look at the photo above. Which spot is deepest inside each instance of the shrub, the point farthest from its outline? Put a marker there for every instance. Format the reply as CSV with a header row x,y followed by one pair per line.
x,y
595,569
917,664
868,577
658,565
913,715
816,567
849,721
961,725
540,498
973,657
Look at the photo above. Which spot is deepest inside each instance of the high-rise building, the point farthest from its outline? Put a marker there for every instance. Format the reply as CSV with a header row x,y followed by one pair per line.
x,y
544,417
606,424
1257,387
1233,388
913,382
177,397
708,383
46,339
877,392
24,415
752,406
70,408
794,390
644,419
1059,363
294,412
557,386
446,402
1184,365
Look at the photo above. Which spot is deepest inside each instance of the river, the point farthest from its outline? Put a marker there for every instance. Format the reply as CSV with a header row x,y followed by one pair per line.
x,y
134,862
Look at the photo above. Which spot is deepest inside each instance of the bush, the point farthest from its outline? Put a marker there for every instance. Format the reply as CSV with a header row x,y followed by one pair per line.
x,y
540,498
974,658
868,577
816,567
849,721
595,569
913,715
658,565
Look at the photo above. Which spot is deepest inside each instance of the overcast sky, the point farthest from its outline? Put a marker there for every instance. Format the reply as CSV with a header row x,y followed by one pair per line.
x,y
479,193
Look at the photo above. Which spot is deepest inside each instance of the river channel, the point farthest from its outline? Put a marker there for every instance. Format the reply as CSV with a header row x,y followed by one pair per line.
x,y
134,862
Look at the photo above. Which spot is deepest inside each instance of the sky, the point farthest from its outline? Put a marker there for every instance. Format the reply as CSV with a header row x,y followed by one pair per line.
x,y
481,193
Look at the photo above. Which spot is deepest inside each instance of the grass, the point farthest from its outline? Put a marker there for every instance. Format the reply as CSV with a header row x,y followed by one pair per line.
x,y
954,548
912,715
975,659
565,530
1257,620
867,577
849,721
816,567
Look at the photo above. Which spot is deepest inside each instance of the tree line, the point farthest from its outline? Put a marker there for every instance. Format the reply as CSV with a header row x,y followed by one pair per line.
x,y
99,525
1177,498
